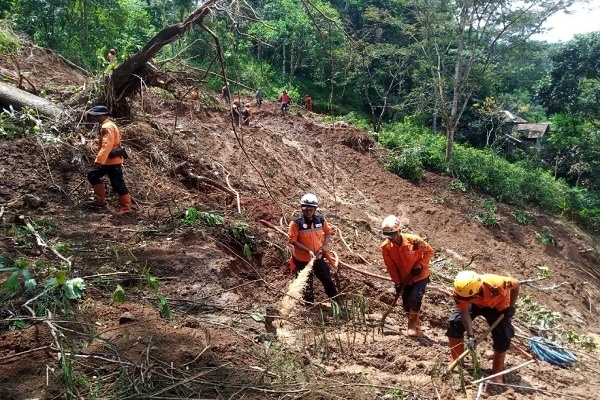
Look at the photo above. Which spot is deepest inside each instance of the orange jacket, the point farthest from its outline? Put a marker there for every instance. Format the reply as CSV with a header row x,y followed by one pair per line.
x,y
310,235
399,260
108,138
495,293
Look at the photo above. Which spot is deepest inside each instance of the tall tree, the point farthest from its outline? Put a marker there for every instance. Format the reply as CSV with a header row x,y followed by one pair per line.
x,y
574,84
462,42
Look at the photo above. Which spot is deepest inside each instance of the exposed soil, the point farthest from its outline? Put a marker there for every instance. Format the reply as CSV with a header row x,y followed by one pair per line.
x,y
221,342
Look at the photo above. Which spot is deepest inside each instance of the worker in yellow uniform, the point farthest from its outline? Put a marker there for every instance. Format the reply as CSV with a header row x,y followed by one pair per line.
x,y
490,296
109,161
406,258
309,234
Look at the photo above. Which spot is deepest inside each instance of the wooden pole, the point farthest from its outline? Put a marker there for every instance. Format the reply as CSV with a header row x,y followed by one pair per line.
x,y
491,328
506,371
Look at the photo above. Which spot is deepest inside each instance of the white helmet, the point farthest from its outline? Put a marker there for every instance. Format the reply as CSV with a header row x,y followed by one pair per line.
x,y
309,200
390,226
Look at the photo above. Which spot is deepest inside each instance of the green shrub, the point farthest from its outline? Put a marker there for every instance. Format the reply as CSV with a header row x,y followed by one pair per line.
x,y
9,43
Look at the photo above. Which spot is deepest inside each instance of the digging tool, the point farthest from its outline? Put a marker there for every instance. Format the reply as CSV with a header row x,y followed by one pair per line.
x,y
491,328
395,300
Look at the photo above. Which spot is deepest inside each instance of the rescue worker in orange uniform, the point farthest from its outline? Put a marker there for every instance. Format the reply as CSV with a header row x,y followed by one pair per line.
x,y
490,296
106,163
406,258
308,103
309,233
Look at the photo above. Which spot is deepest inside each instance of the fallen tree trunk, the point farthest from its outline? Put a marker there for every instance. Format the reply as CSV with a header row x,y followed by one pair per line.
x,y
127,77
18,99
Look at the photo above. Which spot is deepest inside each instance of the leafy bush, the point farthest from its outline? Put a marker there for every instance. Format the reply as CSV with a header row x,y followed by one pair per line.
x,y
405,164
9,43
546,236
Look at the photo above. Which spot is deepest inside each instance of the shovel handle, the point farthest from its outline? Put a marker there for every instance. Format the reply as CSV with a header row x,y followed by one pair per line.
x,y
464,353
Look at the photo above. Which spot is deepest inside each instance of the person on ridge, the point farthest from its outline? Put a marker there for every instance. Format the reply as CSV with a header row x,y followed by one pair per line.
x,y
107,163
225,94
406,258
309,234
490,296
259,98
308,104
111,57
284,99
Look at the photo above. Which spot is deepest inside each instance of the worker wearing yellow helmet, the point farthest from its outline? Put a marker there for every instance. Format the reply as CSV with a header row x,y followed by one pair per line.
x,y
490,296
406,258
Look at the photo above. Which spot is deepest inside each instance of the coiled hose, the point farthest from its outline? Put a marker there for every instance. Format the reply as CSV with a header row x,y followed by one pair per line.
x,y
551,352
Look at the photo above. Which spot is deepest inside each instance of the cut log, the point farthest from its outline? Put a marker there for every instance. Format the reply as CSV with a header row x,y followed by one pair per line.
x,y
18,99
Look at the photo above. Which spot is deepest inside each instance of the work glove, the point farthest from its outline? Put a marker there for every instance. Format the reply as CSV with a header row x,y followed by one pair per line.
x,y
398,287
510,312
416,270
470,342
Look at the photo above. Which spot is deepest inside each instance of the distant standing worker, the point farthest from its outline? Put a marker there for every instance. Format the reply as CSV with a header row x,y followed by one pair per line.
x,y
308,104
107,162
309,233
284,99
406,258
235,111
259,97
111,57
225,94
246,115
490,296
195,96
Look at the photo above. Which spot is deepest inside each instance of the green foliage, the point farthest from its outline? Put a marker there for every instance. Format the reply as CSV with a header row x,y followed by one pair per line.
x,y
164,309
406,164
546,236
534,315
15,124
581,340
19,278
522,217
118,295
206,218
545,272
9,43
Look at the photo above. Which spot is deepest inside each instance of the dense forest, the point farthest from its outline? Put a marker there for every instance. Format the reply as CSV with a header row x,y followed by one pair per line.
x,y
424,77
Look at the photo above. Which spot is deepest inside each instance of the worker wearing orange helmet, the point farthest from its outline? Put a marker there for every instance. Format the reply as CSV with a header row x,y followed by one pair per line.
x,y
490,296
406,258
309,234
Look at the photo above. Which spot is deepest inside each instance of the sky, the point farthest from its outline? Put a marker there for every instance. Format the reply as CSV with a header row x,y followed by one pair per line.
x,y
584,19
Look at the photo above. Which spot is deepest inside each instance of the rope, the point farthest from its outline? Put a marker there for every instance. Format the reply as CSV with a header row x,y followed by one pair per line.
x,y
551,352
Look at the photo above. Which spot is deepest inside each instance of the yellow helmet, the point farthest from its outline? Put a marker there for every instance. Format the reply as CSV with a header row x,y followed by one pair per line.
x,y
467,283
390,226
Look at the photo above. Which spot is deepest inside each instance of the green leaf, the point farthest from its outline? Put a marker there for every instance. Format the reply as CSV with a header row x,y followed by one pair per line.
x,y
165,311
61,277
258,317
153,283
119,294
30,284
12,284
74,288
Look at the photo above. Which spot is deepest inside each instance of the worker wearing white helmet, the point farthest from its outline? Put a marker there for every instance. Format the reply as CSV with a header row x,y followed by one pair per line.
x,y
406,258
309,233
490,296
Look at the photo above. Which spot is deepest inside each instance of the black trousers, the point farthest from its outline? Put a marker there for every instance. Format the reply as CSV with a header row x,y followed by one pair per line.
x,y
322,271
115,175
501,335
412,295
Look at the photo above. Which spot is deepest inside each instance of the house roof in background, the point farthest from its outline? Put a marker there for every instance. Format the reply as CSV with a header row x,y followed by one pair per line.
x,y
533,131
